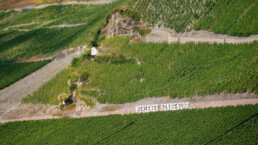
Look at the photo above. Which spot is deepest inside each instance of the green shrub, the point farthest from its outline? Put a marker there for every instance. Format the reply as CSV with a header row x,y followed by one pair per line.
x,y
75,62
73,87
73,77
142,31
84,76
102,58
117,58
86,55
88,101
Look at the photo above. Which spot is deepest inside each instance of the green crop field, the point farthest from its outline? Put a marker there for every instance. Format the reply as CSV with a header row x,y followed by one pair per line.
x,y
197,126
175,70
12,72
230,17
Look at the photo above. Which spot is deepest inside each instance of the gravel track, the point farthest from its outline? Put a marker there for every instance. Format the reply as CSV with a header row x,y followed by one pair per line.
x,y
16,27
166,35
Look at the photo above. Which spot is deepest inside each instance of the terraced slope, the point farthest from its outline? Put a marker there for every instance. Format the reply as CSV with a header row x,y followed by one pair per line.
x,y
198,126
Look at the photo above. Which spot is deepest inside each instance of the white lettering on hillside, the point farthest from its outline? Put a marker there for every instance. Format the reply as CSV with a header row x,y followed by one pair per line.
x,y
162,107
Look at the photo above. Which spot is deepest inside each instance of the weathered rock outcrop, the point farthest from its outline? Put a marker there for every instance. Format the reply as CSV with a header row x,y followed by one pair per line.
x,y
119,26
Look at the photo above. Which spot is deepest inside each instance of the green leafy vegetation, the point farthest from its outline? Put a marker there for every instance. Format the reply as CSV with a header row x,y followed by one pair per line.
x,y
237,18
175,70
143,31
84,76
88,101
11,72
197,126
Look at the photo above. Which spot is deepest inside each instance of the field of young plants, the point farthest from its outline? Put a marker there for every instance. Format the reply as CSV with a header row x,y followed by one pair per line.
x,y
140,70
237,18
198,126
12,72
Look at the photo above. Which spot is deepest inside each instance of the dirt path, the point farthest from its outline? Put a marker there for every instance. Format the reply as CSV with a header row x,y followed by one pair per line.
x,y
166,35
16,27
10,97
92,2
128,108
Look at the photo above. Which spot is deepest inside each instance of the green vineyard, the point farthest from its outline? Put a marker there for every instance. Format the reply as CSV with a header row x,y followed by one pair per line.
x,y
199,126
237,18
12,72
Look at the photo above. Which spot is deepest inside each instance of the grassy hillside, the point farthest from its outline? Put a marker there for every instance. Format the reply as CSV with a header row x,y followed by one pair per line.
x,y
12,72
29,33
237,18
175,70
47,41
198,126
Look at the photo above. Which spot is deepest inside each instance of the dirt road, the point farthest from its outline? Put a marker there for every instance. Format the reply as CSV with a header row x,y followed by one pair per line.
x,y
166,35
16,27
128,108
10,97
